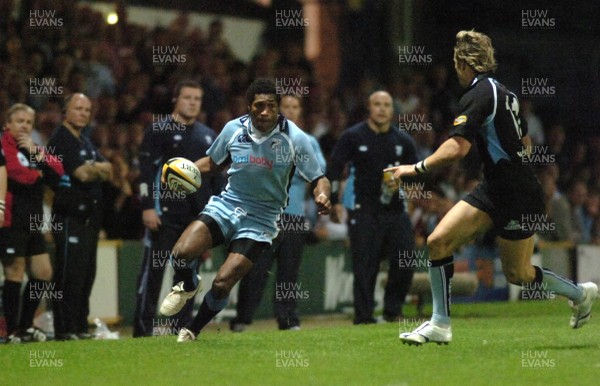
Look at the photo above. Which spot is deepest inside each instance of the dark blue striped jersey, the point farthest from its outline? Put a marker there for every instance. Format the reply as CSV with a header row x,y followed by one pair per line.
x,y
490,117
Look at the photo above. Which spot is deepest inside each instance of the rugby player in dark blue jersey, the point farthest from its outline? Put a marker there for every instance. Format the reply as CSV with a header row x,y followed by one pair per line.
x,y
507,199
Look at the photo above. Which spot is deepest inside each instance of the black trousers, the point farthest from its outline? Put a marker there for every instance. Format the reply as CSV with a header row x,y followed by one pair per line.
x,y
76,242
157,248
373,238
287,251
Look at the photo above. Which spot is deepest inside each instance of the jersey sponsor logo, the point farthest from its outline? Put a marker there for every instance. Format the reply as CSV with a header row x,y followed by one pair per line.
x,y
513,225
460,120
363,148
250,159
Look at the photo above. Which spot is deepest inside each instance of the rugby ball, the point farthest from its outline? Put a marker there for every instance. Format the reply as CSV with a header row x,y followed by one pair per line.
x,y
181,175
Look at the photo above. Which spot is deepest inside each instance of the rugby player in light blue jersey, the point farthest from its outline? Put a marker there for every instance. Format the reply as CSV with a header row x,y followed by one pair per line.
x,y
286,250
263,151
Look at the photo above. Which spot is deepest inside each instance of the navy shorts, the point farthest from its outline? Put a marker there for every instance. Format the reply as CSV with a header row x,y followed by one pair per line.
x,y
21,243
516,212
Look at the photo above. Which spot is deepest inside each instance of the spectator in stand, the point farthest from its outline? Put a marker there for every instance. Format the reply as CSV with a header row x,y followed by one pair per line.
x,y
577,194
591,216
534,123
558,208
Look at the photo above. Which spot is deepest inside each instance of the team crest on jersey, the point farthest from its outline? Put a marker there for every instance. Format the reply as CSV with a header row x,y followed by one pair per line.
x,y
275,143
399,149
243,138
460,120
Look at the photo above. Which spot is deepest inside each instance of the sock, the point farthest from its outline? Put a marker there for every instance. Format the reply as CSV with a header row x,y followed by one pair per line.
x,y
11,293
440,274
209,309
554,283
29,302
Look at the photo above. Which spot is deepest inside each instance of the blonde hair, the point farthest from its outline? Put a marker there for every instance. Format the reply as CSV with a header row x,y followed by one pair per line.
x,y
475,49
18,107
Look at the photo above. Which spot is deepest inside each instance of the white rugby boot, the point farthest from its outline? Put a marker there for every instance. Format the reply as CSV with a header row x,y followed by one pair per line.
x,y
177,298
427,333
583,311
185,335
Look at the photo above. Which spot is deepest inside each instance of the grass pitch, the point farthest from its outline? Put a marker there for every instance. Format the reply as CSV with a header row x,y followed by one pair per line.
x,y
524,343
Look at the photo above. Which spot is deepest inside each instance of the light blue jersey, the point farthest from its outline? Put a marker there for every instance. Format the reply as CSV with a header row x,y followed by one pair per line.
x,y
298,188
260,174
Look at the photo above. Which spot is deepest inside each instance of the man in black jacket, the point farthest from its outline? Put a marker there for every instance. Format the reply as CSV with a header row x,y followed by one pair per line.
x,y
166,213
78,211
379,227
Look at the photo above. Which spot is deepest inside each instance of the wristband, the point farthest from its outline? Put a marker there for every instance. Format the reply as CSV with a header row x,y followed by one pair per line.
x,y
420,167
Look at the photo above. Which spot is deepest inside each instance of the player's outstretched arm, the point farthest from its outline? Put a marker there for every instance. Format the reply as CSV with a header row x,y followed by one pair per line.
x,y
322,192
451,150
206,165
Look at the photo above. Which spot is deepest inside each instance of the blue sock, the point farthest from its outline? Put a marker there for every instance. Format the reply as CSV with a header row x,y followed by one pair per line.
x,y
440,274
560,285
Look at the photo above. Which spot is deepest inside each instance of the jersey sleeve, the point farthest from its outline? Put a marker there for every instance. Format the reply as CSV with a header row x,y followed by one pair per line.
x,y
341,154
318,152
219,150
474,108
307,163
410,155
151,150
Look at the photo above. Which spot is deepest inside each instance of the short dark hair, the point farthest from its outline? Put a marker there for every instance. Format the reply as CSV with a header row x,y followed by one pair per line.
x,y
262,86
184,83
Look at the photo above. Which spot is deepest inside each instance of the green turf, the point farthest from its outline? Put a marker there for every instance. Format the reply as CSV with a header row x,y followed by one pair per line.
x,y
527,343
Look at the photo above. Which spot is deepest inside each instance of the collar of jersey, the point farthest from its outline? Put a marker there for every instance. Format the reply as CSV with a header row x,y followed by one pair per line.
x,y
257,139
479,77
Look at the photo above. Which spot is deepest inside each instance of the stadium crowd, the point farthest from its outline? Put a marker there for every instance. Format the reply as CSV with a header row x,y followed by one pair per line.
x,y
115,67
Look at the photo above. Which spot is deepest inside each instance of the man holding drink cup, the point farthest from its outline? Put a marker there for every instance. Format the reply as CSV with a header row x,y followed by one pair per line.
x,y
379,227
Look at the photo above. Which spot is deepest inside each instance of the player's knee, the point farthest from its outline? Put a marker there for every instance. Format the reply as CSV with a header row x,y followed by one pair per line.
x,y
15,271
44,274
438,245
183,250
517,275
